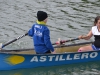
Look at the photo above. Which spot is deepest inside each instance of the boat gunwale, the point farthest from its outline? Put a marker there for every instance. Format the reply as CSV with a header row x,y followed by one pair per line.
x,y
50,54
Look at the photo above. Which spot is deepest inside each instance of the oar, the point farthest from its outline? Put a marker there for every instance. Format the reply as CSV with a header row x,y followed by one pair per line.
x,y
78,44
63,41
13,40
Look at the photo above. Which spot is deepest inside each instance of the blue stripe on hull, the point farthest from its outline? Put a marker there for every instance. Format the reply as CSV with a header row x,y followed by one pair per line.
x,y
12,61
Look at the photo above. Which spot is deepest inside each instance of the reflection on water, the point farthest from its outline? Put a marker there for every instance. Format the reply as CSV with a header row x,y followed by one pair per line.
x,y
89,68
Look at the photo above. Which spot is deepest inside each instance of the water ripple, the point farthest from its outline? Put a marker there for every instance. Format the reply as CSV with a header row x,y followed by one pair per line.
x,y
65,18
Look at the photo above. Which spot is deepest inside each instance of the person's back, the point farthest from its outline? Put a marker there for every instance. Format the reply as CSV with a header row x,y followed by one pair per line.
x,y
40,34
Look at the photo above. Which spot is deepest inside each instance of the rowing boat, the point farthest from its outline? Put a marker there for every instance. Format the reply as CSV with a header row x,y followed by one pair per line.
x,y
26,58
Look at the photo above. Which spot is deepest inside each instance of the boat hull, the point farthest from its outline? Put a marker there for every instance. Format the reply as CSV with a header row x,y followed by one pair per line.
x,y
17,59
13,61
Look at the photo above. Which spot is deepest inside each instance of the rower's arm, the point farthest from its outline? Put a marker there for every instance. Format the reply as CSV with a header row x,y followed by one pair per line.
x,y
86,37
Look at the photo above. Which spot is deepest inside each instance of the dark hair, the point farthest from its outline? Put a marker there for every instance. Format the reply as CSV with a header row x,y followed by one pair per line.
x,y
96,20
41,15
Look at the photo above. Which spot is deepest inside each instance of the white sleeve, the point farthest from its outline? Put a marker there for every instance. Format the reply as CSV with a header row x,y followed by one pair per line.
x,y
95,30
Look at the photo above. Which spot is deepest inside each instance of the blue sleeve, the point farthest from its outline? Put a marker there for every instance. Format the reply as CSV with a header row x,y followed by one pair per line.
x,y
47,40
31,32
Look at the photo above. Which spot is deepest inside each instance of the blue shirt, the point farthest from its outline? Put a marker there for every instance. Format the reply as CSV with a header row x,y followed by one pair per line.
x,y
41,38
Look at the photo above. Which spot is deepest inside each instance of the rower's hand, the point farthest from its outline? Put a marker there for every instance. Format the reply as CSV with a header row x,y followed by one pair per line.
x,y
54,52
60,42
81,37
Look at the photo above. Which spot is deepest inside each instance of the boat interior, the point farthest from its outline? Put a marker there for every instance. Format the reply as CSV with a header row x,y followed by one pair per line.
x,y
59,49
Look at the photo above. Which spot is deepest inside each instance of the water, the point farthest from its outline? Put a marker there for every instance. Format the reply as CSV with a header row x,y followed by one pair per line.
x,y
67,19
89,68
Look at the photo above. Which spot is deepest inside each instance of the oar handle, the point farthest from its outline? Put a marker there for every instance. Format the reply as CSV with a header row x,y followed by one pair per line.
x,y
63,41
14,40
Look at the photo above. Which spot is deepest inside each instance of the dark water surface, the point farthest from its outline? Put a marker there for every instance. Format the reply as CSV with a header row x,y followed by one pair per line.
x,y
67,19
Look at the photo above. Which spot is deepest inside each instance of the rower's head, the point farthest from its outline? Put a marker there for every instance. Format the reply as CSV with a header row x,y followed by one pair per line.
x,y
97,21
42,16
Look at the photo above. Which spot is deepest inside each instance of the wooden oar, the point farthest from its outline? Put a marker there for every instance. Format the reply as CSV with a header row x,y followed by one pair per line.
x,y
18,50
63,41
13,40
